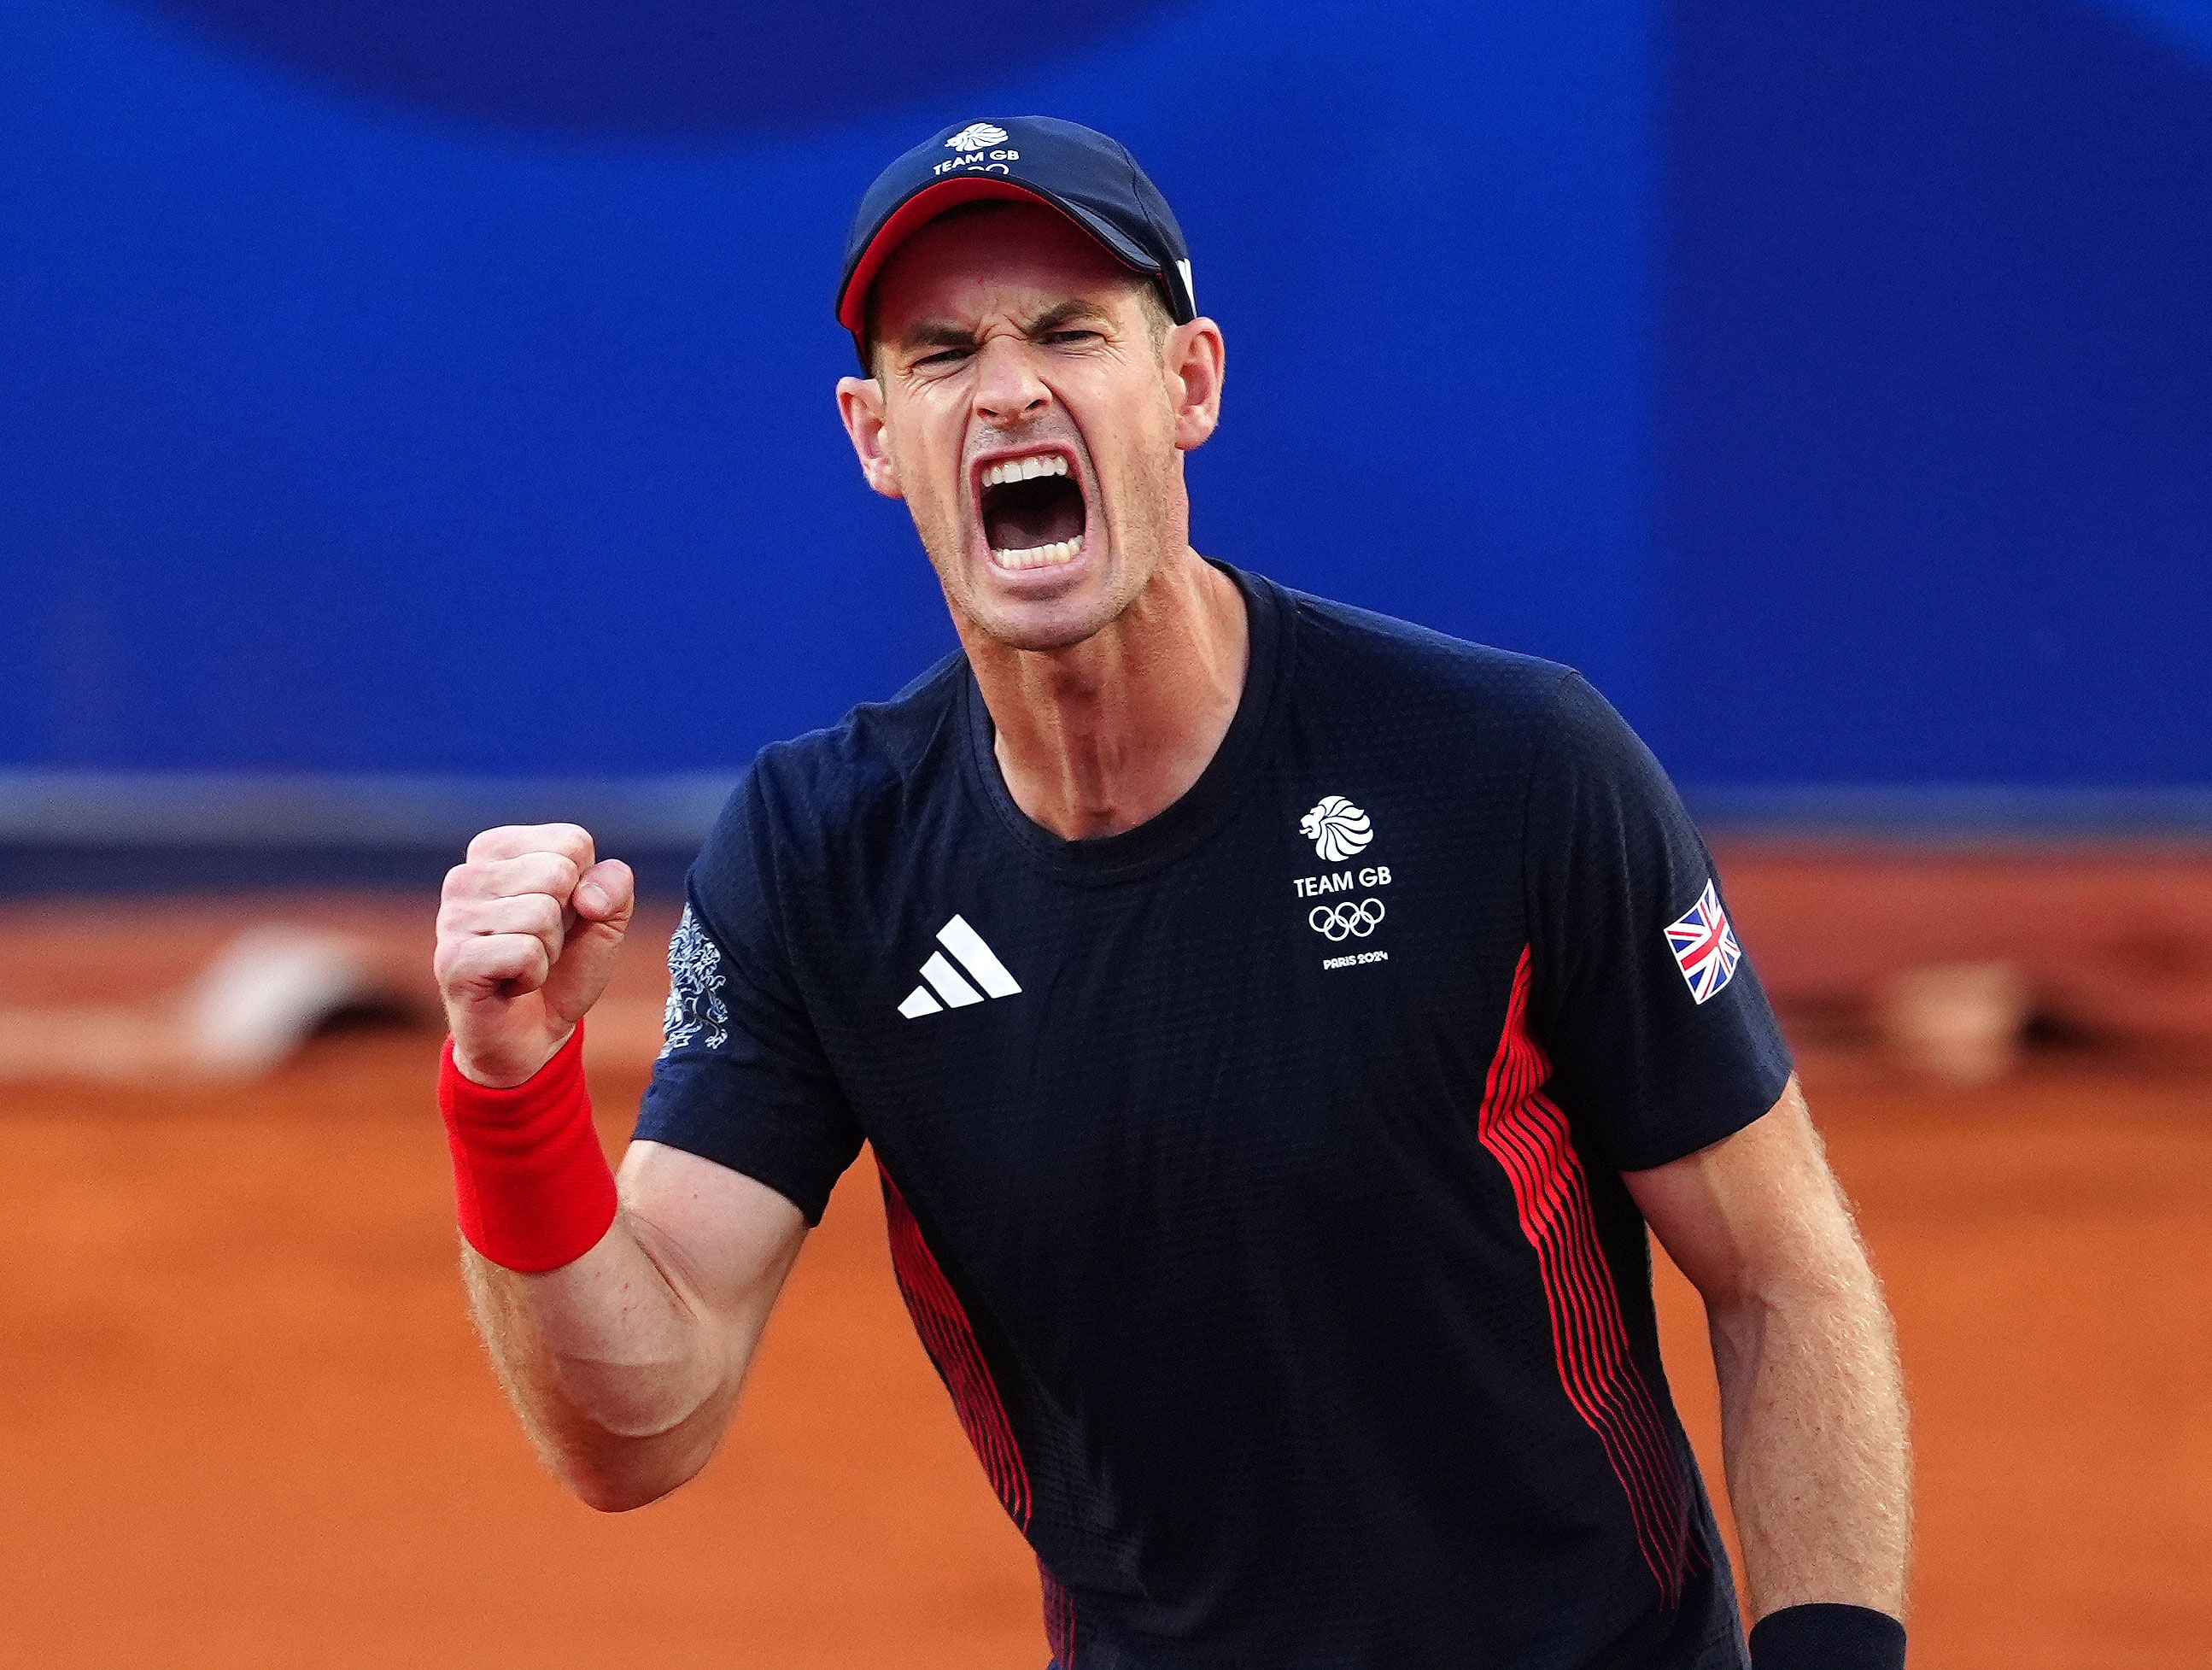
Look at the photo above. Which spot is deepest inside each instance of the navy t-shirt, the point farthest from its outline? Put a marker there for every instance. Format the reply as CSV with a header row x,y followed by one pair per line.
x,y
1253,1176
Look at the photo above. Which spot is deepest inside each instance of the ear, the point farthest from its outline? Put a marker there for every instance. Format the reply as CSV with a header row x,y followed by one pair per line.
x,y
860,404
1195,363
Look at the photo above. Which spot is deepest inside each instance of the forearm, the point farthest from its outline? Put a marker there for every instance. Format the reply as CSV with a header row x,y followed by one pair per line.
x,y
621,1315
1813,1433
621,1381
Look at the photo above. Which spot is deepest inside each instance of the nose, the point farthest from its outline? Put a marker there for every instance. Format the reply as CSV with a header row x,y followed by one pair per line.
x,y
1008,391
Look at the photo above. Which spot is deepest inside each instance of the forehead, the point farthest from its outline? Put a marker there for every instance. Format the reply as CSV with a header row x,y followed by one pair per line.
x,y
1016,254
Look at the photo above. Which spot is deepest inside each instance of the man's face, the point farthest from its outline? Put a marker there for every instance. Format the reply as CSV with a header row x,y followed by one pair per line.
x,y
1028,406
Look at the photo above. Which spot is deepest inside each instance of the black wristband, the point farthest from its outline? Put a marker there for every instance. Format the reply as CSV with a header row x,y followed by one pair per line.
x,y
1826,1636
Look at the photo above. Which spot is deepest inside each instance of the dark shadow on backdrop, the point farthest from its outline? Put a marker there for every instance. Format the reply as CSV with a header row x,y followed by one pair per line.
x,y
656,67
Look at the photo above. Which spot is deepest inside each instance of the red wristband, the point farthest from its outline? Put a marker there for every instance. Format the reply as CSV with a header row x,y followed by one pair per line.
x,y
529,1179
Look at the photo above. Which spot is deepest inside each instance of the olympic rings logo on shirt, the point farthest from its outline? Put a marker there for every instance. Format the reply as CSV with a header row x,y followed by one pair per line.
x,y
1347,920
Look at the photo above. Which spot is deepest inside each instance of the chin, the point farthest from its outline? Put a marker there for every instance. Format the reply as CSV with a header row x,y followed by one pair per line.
x,y
1041,624
1039,610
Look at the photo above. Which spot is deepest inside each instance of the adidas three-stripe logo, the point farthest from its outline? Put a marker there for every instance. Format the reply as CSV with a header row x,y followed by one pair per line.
x,y
978,958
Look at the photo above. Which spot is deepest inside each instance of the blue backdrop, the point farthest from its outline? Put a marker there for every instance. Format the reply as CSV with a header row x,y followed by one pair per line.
x,y
446,390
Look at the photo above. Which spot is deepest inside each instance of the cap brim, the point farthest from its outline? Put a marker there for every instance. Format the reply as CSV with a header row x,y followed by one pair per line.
x,y
932,200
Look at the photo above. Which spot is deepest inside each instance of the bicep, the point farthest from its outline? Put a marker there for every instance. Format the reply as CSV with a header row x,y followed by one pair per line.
x,y
723,1240
1754,1212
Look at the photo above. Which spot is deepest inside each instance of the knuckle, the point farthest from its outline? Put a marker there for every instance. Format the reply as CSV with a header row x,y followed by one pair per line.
x,y
491,843
476,881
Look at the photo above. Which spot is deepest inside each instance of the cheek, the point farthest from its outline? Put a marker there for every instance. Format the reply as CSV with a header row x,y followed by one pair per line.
x,y
937,488
925,460
1134,452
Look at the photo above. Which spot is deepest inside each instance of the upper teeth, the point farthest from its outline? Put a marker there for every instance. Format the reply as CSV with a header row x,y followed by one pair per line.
x,y
1025,469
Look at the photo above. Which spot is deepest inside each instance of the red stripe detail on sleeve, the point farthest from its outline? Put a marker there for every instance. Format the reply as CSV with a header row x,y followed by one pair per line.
x,y
1058,1621
950,1340
1528,1134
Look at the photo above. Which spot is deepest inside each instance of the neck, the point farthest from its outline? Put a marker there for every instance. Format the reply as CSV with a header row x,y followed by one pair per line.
x,y
1099,737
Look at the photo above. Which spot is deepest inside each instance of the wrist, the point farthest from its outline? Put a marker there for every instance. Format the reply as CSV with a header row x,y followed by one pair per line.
x,y
531,1185
1827,1635
491,1073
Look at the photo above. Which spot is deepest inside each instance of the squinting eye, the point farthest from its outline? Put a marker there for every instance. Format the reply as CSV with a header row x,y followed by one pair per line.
x,y
1071,336
944,358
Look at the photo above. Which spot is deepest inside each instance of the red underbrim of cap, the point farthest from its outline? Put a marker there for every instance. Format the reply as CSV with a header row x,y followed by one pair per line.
x,y
910,216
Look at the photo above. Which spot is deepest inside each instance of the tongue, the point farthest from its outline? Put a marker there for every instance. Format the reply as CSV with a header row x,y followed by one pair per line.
x,y
1021,516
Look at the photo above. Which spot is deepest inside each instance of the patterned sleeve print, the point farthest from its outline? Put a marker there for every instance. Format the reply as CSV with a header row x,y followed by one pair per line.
x,y
695,1014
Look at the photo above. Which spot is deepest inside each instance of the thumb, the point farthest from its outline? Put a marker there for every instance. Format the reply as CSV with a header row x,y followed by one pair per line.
x,y
604,901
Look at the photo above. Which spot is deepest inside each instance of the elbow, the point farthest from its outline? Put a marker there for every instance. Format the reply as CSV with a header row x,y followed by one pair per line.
x,y
618,1478
619,1489
605,1495
628,1453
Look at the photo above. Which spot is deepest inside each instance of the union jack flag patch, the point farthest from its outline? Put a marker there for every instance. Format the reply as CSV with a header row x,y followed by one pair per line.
x,y
1704,945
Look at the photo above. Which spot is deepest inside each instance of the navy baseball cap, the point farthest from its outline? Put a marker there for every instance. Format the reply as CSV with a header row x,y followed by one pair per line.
x,y
1090,178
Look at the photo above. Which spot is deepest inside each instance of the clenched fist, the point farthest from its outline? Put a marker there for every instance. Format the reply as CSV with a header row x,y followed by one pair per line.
x,y
527,932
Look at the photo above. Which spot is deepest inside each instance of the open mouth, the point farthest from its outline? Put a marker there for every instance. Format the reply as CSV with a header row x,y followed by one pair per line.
x,y
1033,511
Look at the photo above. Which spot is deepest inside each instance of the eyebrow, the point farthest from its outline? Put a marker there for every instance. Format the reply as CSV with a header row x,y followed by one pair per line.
x,y
945,333
1066,313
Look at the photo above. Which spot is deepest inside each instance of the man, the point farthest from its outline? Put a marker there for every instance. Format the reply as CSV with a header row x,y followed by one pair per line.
x,y
1275,1027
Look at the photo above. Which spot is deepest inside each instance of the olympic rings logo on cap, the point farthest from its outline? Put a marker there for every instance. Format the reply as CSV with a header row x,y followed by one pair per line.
x,y
1347,920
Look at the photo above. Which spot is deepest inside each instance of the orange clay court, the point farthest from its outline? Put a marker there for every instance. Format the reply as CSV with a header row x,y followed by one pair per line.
x,y
245,1421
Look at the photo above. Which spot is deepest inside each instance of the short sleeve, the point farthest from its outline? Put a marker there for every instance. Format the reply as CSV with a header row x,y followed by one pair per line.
x,y
1661,1038
742,1078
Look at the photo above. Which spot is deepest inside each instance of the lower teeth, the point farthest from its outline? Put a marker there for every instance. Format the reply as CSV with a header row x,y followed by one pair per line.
x,y
1049,556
